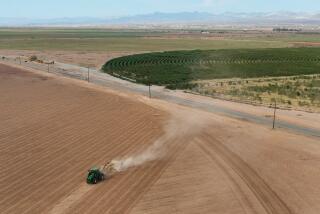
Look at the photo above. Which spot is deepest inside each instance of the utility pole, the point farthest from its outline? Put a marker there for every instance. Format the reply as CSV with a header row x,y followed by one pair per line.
x,y
88,74
274,114
149,90
20,59
48,68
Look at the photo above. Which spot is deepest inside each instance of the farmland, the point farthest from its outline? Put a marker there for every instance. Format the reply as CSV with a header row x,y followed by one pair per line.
x,y
219,55
100,40
184,66
54,129
130,44
93,46
51,135
190,70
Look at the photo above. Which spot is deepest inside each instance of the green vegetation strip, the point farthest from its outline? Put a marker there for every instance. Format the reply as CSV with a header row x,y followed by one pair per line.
x,y
107,40
176,69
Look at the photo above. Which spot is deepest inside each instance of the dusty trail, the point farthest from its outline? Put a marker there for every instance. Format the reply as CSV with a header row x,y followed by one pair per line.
x,y
52,130
271,202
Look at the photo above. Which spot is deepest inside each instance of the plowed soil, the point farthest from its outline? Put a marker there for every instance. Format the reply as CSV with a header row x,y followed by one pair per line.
x,y
52,130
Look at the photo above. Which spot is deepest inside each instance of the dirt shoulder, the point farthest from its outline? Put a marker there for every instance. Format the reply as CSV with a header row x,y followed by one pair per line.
x,y
306,44
302,118
85,59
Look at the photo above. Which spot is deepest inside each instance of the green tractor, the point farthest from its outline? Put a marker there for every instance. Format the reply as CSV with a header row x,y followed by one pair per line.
x,y
95,176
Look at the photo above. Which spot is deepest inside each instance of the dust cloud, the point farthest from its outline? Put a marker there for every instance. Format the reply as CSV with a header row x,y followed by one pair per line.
x,y
180,125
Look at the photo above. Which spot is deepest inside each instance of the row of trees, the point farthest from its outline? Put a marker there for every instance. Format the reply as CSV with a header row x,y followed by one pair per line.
x,y
286,30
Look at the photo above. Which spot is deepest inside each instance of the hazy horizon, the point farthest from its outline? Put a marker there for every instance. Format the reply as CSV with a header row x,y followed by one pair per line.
x,y
36,9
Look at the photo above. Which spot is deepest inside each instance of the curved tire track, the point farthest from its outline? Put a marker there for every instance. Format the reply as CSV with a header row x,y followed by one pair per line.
x,y
268,198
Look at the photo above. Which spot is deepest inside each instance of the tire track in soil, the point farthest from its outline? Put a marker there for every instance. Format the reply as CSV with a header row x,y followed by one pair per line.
x,y
117,150
45,106
145,185
268,198
68,201
82,154
128,199
45,164
71,182
237,190
35,132
233,184
46,132
49,139
101,190
128,188
38,132
102,160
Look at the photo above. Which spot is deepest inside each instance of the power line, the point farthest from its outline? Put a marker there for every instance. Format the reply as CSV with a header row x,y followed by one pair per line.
x,y
274,114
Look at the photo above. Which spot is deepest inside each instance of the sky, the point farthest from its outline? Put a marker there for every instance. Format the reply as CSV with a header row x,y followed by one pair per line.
x,y
116,8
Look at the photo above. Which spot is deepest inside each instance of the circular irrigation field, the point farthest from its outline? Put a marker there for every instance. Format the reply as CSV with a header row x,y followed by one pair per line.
x,y
165,68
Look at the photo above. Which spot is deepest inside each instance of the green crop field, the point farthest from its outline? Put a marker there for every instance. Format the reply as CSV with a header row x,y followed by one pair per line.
x,y
181,67
140,40
129,44
104,40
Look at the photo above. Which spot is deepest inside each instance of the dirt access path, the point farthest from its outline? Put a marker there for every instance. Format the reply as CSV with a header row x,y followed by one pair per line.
x,y
53,129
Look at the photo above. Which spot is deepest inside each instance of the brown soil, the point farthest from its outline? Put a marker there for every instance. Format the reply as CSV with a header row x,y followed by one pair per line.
x,y
306,44
52,130
306,119
91,59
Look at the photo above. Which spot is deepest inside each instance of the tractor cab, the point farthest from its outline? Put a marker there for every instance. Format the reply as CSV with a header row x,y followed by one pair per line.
x,y
95,175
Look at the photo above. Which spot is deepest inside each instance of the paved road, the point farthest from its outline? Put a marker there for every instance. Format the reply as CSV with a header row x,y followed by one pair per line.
x,y
103,79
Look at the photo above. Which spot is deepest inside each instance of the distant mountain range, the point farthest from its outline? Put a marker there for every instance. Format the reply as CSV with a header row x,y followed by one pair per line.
x,y
275,18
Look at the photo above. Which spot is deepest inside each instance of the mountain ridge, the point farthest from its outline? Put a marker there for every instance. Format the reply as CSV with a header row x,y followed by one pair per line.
x,y
281,17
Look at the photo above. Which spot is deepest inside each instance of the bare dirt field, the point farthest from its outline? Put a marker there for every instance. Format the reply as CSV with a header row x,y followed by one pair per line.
x,y
53,129
306,44
91,59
